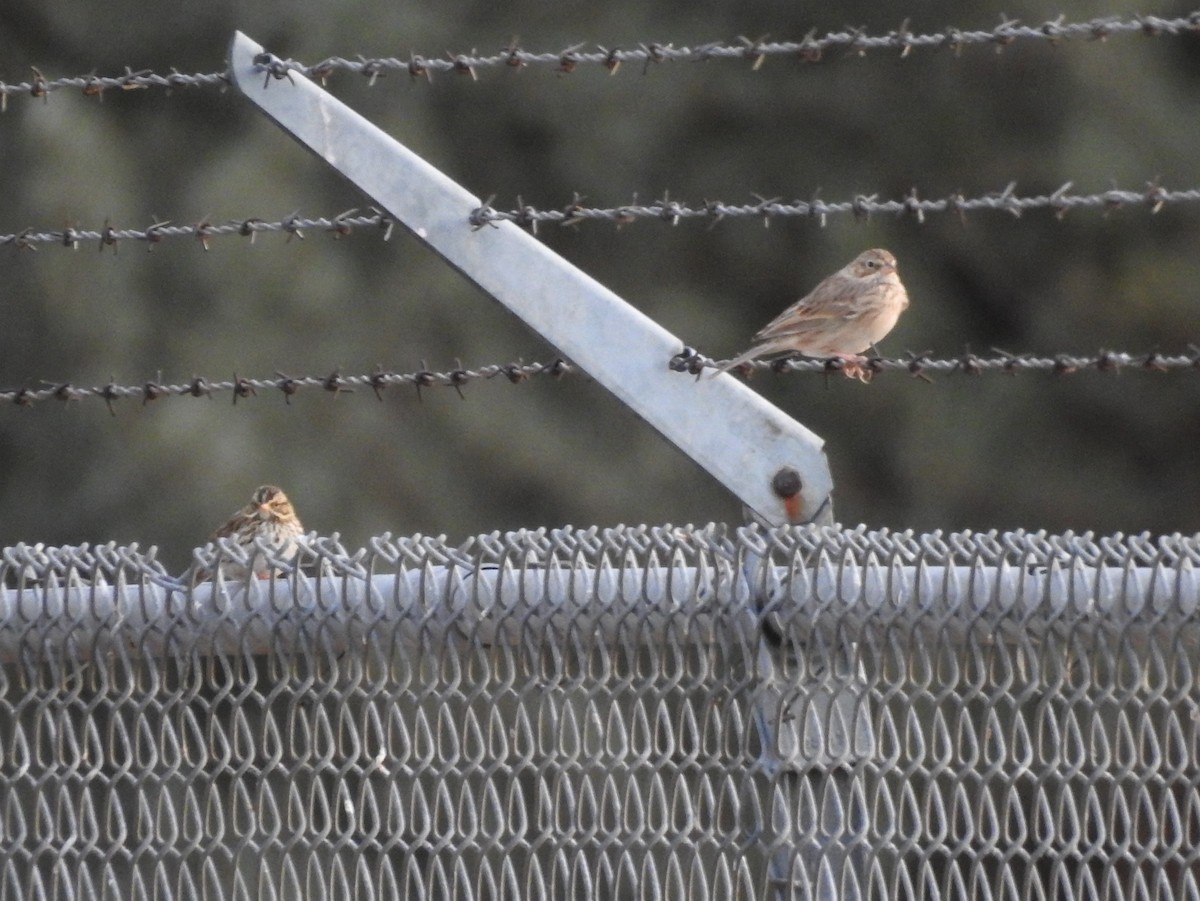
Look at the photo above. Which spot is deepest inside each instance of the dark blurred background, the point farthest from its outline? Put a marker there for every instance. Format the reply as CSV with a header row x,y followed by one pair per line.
x,y
1103,452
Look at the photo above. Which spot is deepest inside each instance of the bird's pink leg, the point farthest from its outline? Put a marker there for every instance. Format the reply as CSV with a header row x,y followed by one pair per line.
x,y
853,366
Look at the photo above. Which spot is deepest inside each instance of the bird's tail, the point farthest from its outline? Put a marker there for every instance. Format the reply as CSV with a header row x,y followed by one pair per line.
x,y
758,350
737,361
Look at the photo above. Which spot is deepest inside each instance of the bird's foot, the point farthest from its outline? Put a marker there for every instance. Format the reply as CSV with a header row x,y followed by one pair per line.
x,y
855,367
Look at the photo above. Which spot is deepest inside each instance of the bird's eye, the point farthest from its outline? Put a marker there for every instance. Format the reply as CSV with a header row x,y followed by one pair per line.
x,y
872,264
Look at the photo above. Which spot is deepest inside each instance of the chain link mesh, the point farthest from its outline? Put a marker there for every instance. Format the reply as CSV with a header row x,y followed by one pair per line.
x,y
628,713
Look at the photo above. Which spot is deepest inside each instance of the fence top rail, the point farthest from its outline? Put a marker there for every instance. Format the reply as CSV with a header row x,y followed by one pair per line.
x,y
651,579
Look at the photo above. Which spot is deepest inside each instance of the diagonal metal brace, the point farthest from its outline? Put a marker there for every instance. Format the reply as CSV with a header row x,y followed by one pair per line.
x,y
775,466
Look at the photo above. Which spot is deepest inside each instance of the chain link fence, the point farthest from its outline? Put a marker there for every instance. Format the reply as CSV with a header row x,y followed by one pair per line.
x,y
626,713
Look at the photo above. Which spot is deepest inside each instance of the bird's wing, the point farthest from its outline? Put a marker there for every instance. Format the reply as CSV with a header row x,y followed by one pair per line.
x,y
832,299
229,528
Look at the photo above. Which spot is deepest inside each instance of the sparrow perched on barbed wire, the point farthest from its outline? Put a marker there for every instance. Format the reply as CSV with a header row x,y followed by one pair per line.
x,y
269,516
841,317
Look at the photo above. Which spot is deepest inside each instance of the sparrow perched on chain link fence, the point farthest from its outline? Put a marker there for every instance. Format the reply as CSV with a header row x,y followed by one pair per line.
x,y
270,517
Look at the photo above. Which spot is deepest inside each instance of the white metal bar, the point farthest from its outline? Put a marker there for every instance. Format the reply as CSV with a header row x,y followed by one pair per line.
x,y
739,438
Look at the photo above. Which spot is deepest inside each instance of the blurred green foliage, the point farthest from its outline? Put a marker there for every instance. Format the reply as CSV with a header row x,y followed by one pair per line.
x,y
1104,452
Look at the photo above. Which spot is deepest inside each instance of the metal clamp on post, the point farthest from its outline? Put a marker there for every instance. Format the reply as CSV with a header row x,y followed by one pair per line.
x,y
744,442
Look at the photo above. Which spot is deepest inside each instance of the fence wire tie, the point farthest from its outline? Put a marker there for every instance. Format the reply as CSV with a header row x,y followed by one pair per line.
x,y
275,68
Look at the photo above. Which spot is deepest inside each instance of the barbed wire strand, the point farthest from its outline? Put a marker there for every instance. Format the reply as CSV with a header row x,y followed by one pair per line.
x,y
688,361
647,54
110,236
242,388
1155,197
922,365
